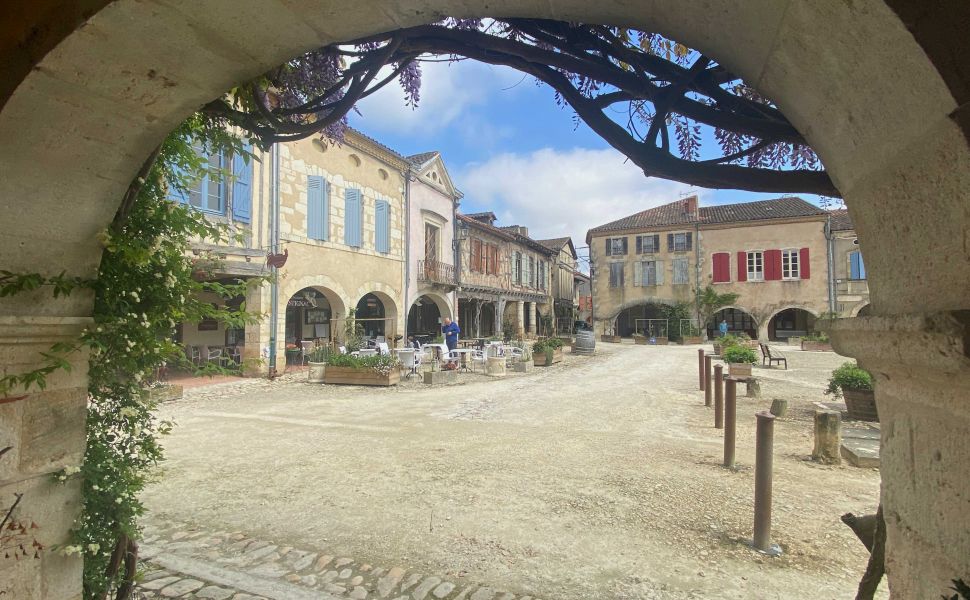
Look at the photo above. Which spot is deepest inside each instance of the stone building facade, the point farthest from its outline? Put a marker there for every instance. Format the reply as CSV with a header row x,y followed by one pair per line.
x,y
562,285
432,200
772,253
850,286
504,278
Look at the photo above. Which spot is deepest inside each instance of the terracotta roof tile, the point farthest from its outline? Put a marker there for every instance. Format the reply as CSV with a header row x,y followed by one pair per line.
x,y
841,221
422,157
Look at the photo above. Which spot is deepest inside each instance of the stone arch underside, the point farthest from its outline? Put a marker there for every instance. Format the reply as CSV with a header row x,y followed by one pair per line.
x,y
88,113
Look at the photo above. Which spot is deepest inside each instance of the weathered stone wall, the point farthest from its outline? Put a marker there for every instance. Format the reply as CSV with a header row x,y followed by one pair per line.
x,y
430,203
850,296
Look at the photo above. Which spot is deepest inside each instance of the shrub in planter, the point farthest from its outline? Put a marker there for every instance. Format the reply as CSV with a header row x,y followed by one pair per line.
x,y
817,342
547,351
739,359
362,370
854,383
317,361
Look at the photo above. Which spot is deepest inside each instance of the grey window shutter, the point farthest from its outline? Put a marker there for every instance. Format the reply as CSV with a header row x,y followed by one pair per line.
x,y
382,212
353,225
638,274
316,213
670,242
624,246
660,272
609,246
689,240
639,244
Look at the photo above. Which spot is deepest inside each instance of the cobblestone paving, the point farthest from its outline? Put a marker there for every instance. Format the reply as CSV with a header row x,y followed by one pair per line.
x,y
181,562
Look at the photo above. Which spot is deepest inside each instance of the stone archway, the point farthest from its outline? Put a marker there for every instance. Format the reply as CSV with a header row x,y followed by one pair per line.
x,y
739,320
87,104
789,321
377,312
425,314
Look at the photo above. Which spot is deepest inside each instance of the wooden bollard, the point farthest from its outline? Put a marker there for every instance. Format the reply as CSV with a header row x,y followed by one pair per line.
x,y
762,480
730,420
707,380
828,437
718,396
700,367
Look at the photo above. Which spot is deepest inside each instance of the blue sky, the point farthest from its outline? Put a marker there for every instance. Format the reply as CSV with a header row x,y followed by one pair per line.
x,y
513,151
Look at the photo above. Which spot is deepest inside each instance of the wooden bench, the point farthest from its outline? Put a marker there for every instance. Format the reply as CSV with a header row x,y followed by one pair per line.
x,y
768,359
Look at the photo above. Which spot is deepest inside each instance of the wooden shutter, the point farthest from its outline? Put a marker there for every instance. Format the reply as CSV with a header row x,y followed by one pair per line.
x,y
242,186
609,246
638,273
659,268
317,225
639,244
742,266
690,240
656,242
670,242
804,270
382,226
353,219
476,255
772,265
624,246
721,267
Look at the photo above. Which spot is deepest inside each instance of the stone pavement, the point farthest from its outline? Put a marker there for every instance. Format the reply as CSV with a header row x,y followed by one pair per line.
x,y
179,561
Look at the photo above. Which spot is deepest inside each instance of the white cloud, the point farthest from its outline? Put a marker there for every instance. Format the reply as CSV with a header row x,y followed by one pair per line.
x,y
448,91
562,192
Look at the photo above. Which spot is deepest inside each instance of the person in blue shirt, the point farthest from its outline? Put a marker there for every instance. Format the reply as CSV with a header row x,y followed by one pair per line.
x,y
450,330
723,327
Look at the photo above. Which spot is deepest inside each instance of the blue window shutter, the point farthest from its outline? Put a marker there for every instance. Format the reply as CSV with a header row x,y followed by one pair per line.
x,y
382,238
317,214
242,186
173,193
353,218
857,269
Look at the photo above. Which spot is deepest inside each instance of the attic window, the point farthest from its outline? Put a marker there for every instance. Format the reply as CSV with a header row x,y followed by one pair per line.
x,y
382,173
355,159
434,176
320,145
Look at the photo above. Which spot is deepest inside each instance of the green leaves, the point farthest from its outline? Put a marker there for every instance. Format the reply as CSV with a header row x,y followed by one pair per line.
x,y
850,376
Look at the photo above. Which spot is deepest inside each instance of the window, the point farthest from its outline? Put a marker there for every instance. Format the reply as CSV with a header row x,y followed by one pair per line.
x,y
681,268
857,268
532,272
648,244
208,193
616,246
679,242
318,209
353,218
517,267
476,262
382,226
721,267
789,264
650,273
756,266
616,274
430,243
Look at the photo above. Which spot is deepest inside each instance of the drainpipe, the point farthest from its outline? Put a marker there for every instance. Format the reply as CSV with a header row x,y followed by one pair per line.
x,y
274,235
407,249
830,260
697,278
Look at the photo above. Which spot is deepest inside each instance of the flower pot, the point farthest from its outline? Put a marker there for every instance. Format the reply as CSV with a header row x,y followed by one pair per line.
x,y
739,369
365,376
816,346
316,373
860,404
549,357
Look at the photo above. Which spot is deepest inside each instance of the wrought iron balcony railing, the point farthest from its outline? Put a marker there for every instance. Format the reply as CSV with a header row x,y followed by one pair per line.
x,y
434,271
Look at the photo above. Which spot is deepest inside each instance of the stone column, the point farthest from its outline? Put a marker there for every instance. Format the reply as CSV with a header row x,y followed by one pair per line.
x,y
534,318
520,318
828,437
499,317
921,367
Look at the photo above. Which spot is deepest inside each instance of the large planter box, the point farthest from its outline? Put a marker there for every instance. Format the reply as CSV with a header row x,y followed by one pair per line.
x,y
645,341
613,339
816,346
739,369
539,358
164,393
795,341
439,377
640,340
689,340
352,376
860,404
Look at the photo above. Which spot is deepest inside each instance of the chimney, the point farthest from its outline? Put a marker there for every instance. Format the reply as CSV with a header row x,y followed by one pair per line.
x,y
690,206
519,229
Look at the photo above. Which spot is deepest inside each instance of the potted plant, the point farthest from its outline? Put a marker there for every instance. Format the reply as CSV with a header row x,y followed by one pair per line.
x,y
347,369
739,359
547,351
852,382
317,361
816,342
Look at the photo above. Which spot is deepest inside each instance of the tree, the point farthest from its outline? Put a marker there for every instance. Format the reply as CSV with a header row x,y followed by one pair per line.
x,y
709,302
647,96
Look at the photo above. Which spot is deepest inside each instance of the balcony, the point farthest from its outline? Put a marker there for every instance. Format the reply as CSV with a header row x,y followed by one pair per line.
x,y
851,287
433,271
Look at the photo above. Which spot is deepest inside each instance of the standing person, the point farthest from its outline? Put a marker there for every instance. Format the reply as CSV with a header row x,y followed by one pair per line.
x,y
451,330
723,327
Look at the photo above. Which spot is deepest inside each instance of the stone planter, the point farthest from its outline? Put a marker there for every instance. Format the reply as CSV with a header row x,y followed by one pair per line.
x,y
795,341
613,339
816,346
316,372
542,359
439,377
860,404
164,393
522,366
495,366
739,369
692,339
367,376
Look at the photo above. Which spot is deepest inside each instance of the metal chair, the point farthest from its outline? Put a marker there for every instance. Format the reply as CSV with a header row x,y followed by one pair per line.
x,y
409,361
195,355
382,348
214,355
367,352
306,347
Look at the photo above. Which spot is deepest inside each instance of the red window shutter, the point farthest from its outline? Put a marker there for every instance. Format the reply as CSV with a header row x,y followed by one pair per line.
x,y
803,266
772,265
722,267
742,266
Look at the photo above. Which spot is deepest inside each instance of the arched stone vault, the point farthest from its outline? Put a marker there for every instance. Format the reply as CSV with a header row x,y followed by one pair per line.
x,y
84,105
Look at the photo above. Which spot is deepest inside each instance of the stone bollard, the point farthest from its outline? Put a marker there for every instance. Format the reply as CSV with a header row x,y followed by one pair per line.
x,y
828,437
707,380
753,388
495,366
779,407
700,367
718,396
